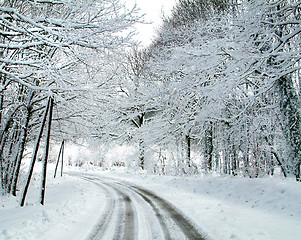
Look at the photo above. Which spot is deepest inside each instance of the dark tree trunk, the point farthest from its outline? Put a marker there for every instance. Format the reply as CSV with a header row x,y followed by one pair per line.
x,y
289,102
291,121
208,146
283,170
298,176
141,155
20,153
12,156
62,165
22,142
46,153
34,155
140,121
188,140
246,161
234,161
1,106
226,160
2,171
58,158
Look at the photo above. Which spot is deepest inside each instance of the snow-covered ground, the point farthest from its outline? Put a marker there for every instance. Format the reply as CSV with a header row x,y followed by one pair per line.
x,y
223,207
233,208
70,211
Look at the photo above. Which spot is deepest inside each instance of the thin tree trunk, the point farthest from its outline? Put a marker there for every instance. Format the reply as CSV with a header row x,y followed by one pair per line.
x,y
34,156
46,153
225,167
2,173
11,172
298,175
140,121
3,80
279,163
20,153
188,140
58,158
208,146
1,106
246,161
274,153
22,145
12,156
62,165
141,155
234,161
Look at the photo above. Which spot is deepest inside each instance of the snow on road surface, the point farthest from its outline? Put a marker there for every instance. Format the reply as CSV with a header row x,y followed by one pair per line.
x,y
128,206
221,207
231,207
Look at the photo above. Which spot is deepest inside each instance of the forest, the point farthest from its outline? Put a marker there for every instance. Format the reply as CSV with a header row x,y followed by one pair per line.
x,y
217,91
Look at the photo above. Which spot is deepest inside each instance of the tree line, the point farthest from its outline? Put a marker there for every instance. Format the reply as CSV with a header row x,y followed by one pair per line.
x,y
218,90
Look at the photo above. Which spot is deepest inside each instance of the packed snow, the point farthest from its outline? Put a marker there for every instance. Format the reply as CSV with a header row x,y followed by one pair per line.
x,y
223,207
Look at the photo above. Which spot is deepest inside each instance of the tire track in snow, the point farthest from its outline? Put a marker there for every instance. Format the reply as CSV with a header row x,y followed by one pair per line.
x,y
159,217
156,212
107,215
129,222
121,195
188,229
124,231
183,223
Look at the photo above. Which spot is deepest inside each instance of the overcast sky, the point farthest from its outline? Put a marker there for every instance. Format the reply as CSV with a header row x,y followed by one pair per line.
x,y
153,10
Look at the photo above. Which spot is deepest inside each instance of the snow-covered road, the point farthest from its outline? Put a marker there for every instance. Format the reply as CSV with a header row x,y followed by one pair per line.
x,y
132,212
115,204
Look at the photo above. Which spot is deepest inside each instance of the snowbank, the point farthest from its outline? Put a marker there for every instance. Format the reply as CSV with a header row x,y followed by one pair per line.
x,y
69,211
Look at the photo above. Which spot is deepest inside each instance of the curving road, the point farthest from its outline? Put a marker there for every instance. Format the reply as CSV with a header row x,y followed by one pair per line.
x,y
135,213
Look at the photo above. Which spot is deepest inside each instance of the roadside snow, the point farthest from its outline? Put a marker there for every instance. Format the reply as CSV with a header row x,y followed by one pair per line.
x,y
71,209
231,207
226,208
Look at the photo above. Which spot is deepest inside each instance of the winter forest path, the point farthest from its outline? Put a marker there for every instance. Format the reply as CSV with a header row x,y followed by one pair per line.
x,y
134,213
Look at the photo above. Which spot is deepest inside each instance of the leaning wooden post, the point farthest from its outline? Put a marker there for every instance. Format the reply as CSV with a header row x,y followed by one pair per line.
x,y
58,158
62,158
34,156
45,157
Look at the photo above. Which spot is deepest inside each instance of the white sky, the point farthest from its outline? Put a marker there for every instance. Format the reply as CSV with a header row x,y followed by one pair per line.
x,y
153,10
